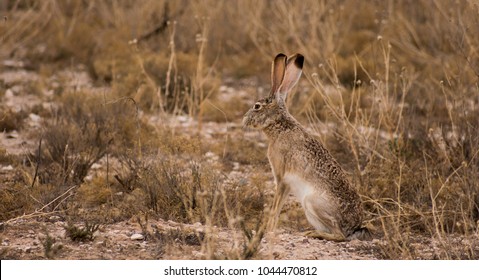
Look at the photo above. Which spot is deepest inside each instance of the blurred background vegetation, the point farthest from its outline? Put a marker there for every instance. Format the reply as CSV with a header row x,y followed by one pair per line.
x,y
434,39
394,84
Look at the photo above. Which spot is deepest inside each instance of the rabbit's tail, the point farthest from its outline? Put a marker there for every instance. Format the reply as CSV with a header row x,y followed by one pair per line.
x,y
362,233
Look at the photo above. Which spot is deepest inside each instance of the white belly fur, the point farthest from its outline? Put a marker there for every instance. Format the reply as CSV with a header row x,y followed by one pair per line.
x,y
299,187
312,200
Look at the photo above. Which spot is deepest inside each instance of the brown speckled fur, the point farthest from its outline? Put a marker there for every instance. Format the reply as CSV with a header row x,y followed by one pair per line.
x,y
293,150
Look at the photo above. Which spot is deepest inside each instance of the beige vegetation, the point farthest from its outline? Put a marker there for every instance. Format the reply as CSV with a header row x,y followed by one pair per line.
x,y
124,117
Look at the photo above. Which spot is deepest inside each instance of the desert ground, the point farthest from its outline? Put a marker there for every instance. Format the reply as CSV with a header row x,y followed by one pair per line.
x,y
121,131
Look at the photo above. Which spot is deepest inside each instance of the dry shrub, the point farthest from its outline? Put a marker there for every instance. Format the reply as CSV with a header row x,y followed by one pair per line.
x,y
11,120
73,142
189,191
94,193
133,48
13,199
81,234
5,157
84,130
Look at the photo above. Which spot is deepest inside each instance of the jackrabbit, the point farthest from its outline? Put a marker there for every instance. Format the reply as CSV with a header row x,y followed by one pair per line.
x,y
301,164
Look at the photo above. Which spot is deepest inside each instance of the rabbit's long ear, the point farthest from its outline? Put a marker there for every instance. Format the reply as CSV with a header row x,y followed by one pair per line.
x,y
294,68
277,73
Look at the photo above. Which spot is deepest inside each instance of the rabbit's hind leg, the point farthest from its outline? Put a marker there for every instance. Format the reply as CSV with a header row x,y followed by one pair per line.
x,y
325,224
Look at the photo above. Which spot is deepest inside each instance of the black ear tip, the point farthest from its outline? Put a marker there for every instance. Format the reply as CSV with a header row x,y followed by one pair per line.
x,y
299,61
280,55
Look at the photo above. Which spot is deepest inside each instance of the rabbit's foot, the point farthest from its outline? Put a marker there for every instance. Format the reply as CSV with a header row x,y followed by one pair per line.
x,y
324,235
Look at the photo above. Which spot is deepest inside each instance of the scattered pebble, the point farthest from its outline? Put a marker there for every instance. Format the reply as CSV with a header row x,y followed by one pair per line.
x,y
34,117
55,218
236,165
137,236
9,93
13,63
7,168
12,135
96,166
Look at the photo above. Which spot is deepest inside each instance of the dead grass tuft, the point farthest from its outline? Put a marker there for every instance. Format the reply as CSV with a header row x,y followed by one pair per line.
x,y
11,120
81,234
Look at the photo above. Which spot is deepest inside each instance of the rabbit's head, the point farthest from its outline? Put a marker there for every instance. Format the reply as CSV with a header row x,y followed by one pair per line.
x,y
285,74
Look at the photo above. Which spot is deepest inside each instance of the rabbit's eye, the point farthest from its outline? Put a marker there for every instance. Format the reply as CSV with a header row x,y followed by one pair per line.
x,y
257,106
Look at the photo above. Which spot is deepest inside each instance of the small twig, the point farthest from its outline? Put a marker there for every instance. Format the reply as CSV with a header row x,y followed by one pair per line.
x,y
158,30
36,200
70,195
57,198
38,163
123,184
28,216
162,26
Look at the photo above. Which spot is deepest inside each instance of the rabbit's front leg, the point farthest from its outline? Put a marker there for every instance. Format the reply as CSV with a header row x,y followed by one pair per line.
x,y
282,191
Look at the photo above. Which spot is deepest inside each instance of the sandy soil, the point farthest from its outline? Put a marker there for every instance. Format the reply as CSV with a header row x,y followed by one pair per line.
x,y
126,240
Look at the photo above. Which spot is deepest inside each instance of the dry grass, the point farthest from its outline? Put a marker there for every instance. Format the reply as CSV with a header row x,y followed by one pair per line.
x,y
10,120
392,85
